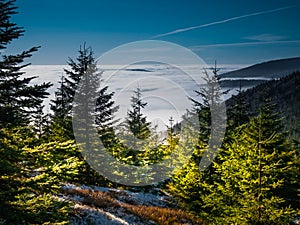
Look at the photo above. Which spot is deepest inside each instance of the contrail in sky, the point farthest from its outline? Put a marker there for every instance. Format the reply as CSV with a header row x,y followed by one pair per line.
x,y
197,47
223,21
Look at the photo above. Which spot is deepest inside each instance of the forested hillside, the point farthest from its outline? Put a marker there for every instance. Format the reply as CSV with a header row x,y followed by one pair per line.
x,y
284,92
259,73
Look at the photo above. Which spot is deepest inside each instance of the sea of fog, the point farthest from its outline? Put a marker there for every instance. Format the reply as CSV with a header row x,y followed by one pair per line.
x,y
165,88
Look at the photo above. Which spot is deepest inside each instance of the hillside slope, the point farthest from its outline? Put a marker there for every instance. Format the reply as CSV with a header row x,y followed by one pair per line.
x,y
259,73
271,69
285,92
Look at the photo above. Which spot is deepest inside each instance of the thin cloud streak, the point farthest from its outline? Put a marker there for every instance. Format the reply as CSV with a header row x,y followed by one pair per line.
x,y
266,37
199,47
223,21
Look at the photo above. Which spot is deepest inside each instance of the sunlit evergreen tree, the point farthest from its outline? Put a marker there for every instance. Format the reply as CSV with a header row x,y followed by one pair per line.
x,y
31,173
256,168
190,184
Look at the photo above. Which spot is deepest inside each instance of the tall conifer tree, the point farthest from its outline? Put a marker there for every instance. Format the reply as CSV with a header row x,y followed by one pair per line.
x,y
83,71
18,98
137,122
255,169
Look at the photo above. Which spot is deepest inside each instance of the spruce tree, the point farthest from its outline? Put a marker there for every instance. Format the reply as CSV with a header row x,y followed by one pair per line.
x,y
61,125
84,63
137,122
84,79
136,130
254,170
86,94
173,135
190,184
18,99
105,108
238,112
32,175
93,110
61,105
41,124
210,96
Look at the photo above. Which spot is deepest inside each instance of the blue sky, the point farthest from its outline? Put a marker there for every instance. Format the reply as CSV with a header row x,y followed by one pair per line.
x,y
231,32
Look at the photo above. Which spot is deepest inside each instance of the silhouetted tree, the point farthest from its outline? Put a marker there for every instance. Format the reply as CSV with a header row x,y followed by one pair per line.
x,y
210,96
18,99
239,113
84,80
41,124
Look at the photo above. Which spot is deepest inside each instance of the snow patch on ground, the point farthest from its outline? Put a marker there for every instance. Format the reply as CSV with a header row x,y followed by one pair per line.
x,y
89,214
135,198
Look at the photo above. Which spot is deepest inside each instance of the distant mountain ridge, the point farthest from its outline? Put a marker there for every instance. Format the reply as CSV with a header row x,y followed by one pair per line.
x,y
271,69
254,75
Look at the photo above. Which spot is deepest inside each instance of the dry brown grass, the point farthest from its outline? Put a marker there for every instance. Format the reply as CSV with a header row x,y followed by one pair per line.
x,y
160,215
96,198
164,216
